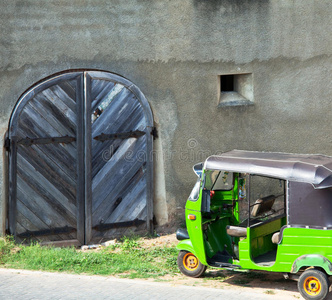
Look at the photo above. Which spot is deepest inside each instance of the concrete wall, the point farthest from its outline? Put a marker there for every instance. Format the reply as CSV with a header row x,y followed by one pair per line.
x,y
174,51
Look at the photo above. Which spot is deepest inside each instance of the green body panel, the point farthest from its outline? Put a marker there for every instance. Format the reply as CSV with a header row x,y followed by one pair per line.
x,y
194,228
300,247
312,260
297,242
186,245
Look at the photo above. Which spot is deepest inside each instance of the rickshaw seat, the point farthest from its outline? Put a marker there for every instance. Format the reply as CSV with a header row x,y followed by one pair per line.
x,y
276,237
263,205
236,231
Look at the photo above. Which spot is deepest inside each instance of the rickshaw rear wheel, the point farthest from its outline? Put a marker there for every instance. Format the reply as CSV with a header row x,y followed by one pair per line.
x,y
313,284
189,264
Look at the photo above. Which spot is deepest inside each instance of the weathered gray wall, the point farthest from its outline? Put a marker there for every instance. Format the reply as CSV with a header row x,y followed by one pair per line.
x,y
174,51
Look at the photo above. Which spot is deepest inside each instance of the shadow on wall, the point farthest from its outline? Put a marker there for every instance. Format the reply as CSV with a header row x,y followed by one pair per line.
x,y
214,6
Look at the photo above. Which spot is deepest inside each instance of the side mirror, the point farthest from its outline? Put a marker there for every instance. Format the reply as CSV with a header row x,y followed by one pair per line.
x,y
198,169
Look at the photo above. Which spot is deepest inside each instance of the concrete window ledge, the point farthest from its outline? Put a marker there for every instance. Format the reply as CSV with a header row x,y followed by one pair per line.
x,y
233,99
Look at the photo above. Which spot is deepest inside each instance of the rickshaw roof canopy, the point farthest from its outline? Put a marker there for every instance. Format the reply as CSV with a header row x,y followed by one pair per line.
x,y
310,168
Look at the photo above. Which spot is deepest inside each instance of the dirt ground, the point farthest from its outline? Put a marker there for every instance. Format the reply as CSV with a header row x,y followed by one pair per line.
x,y
268,283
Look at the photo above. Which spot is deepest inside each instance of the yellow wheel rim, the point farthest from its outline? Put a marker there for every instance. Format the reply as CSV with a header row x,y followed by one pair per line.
x,y
312,286
190,262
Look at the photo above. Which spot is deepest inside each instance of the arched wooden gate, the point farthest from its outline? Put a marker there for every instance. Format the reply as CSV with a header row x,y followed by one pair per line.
x,y
80,164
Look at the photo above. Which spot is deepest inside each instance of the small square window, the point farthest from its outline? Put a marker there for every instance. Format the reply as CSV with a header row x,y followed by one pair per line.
x,y
227,83
236,90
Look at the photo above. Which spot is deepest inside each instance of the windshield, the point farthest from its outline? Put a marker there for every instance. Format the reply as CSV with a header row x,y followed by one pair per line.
x,y
219,181
195,192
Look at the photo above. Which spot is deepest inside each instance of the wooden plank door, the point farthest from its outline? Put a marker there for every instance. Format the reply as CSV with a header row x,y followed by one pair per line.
x,y
119,199
80,160
46,201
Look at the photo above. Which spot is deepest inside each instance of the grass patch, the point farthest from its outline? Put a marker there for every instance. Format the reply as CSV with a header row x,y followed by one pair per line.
x,y
126,258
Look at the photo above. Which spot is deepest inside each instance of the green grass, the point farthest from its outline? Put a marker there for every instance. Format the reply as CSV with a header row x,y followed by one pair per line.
x,y
126,259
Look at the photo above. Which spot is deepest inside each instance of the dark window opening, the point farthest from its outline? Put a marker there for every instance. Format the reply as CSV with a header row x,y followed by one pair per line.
x,y
227,83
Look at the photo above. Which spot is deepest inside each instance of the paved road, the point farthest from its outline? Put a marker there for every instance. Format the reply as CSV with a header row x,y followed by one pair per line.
x,y
21,284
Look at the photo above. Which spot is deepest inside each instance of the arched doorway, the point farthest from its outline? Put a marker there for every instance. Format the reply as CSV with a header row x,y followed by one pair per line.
x,y
80,163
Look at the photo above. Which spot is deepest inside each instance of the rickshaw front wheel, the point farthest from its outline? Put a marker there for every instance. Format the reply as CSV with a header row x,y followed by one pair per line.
x,y
189,264
313,284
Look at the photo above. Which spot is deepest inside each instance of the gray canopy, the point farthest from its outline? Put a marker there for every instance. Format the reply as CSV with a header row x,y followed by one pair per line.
x,y
314,169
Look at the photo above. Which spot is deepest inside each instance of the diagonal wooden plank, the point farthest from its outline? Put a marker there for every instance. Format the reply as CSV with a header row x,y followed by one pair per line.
x,y
98,85
118,164
106,99
131,206
48,188
45,111
70,87
39,206
55,209
136,207
117,180
142,215
59,107
100,89
32,130
120,158
112,122
134,210
128,201
34,125
59,151
51,113
104,152
52,161
31,122
28,221
135,200
131,122
66,93
102,208
48,170
123,100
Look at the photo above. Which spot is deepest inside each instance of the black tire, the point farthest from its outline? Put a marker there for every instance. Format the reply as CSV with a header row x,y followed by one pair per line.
x,y
313,284
190,265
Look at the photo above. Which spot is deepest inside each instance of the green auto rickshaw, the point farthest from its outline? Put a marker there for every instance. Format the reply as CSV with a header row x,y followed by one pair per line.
x,y
261,211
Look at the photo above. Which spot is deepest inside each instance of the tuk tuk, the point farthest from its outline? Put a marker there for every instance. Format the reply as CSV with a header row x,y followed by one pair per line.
x,y
261,211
